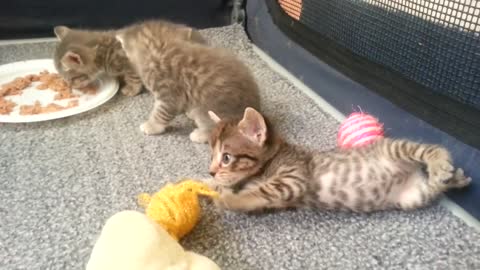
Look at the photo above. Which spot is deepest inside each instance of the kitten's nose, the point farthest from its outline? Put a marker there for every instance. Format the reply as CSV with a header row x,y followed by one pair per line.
x,y
212,173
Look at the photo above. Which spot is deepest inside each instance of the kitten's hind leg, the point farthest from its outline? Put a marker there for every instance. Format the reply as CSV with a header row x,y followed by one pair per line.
x,y
412,194
133,84
459,180
204,125
418,191
159,119
436,158
439,164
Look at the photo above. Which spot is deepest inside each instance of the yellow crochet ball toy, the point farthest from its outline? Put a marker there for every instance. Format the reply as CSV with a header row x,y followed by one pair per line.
x,y
176,206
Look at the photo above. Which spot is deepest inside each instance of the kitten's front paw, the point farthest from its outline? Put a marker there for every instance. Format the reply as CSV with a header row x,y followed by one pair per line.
x,y
210,182
199,136
440,170
152,128
224,198
131,91
219,203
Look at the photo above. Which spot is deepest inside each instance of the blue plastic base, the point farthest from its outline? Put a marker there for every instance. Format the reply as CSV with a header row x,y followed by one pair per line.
x,y
347,96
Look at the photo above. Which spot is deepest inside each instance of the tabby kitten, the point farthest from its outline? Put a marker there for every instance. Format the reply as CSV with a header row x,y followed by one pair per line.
x,y
254,169
187,78
81,56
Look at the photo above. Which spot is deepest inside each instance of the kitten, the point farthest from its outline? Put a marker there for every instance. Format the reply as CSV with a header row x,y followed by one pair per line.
x,y
81,56
187,78
254,169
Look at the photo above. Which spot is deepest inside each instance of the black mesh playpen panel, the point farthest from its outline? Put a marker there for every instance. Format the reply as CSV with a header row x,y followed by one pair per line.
x,y
433,42
423,56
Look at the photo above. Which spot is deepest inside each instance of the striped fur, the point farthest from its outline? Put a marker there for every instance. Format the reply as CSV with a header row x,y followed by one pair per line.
x,y
82,55
272,173
187,78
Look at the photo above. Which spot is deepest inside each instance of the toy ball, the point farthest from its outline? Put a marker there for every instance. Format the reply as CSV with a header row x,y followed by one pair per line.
x,y
176,206
359,129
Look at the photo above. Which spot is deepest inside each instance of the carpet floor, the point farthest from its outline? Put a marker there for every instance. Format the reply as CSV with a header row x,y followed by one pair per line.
x,y
60,180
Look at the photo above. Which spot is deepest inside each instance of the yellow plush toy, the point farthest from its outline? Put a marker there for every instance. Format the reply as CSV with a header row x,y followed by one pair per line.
x,y
130,240
176,207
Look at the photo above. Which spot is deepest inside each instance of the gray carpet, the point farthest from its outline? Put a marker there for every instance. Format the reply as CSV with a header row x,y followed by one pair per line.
x,y
61,180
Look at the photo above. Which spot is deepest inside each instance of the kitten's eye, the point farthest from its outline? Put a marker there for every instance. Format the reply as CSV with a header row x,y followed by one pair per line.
x,y
226,158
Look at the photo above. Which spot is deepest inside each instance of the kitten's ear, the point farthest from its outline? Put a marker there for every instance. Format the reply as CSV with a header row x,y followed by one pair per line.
x,y
188,32
253,126
120,36
183,31
72,60
61,31
214,117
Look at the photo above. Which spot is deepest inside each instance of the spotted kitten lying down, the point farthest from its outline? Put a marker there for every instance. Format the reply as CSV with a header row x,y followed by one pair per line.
x,y
255,169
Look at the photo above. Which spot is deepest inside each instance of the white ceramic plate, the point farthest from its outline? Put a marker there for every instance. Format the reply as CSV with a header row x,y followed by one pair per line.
x,y
107,89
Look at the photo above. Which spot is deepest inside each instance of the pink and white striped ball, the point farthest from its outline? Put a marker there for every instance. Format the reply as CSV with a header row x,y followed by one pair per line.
x,y
359,129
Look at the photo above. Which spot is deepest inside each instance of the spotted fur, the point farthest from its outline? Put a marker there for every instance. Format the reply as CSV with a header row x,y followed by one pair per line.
x,y
254,169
